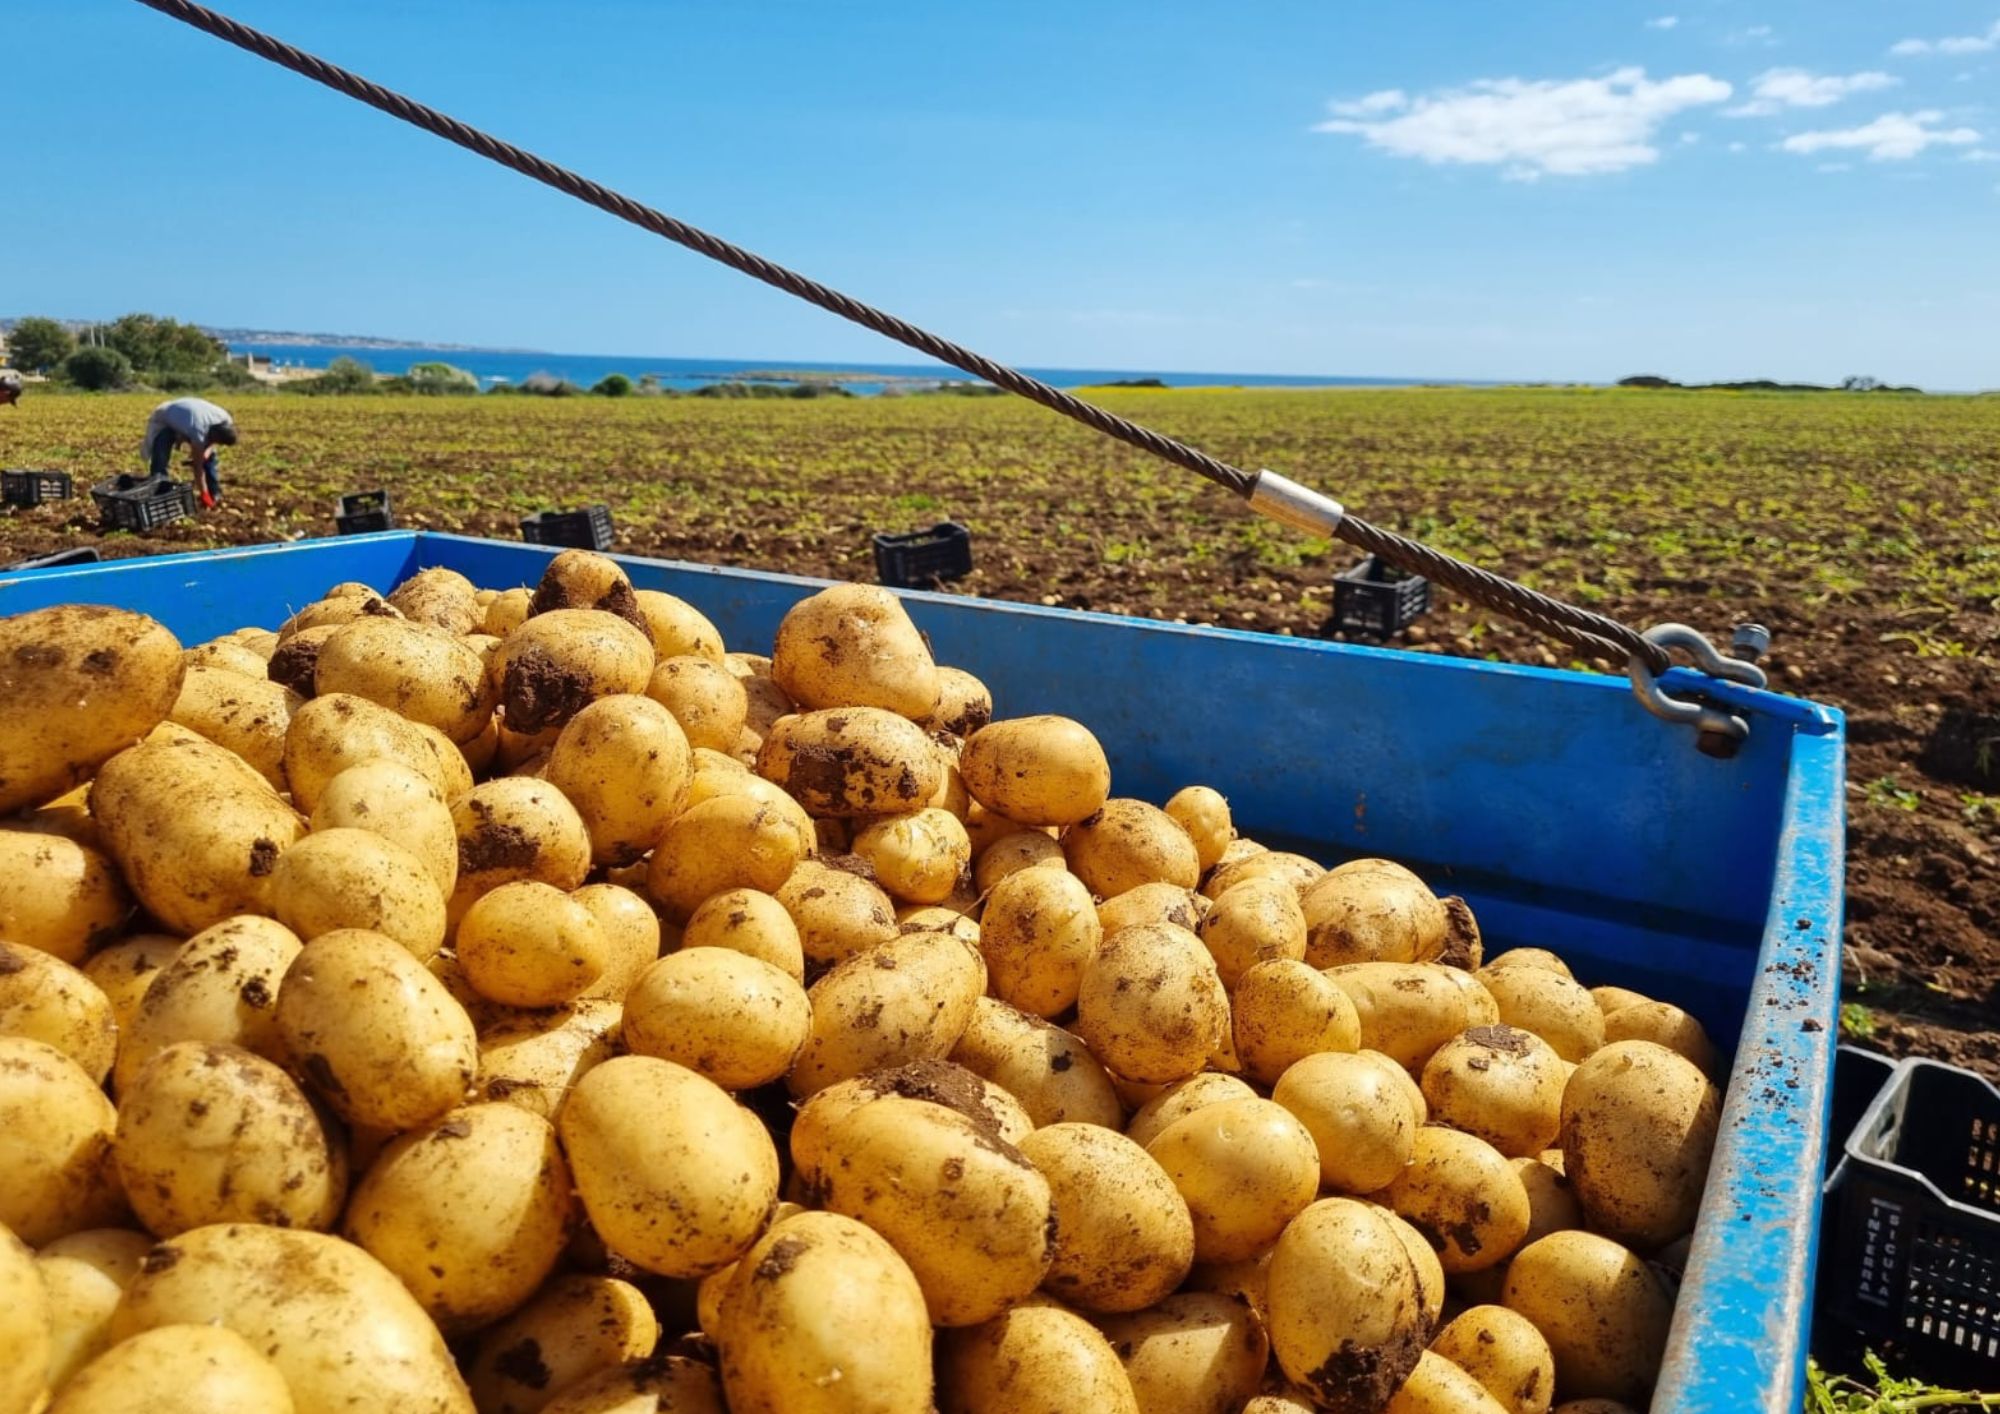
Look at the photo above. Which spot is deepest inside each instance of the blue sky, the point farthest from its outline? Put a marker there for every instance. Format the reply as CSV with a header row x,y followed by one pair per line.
x,y
1701,188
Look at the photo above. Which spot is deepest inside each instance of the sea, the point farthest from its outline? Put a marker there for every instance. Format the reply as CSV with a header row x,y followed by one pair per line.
x,y
512,366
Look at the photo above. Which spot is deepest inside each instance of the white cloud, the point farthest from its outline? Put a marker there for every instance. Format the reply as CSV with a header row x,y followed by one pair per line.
x,y
1760,35
1893,137
1690,137
1982,154
1738,146
1778,89
1663,22
1531,128
1953,44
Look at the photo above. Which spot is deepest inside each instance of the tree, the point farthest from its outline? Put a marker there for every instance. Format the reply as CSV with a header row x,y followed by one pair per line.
x,y
440,378
39,344
156,345
612,385
1858,383
97,369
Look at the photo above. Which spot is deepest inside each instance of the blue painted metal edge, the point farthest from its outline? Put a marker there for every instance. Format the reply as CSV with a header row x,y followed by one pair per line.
x,y
1758,1231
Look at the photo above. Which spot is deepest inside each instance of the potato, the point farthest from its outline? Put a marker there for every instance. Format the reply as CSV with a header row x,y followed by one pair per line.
x,y
852,761
81,683
837,913
527,944
767,705
1204,815
557,663
1437,1386
1284,1011
420,673
965,704
575,1326
1667,1025
936,918
1501,1084
1183,1098
1150,1005
1037,770
965,1209
631,937
25,1343
240,712
506,611
1532,957
1504,1352
532,1058
1407,1010
44,999
221,986
1037,1358
1257,921
1464,1197
749,922
513,829
1551,1005
55,1145
730,842
1552,1205
470,1212
707,702
1194,1353
714,781
182,1369
57,896
440,597
664,1384
1152,903
853,645
677,628
340,1329
1124,1237
1603,1312
1051,1072
224,655
83,1275
1343,1308
213,1134
584,579
330,734
624,763
333,610
347,878
1038,932
908,1000
787,1349
989,1107
1371,910
1281,1403
376,1035
723,1014
1638,1126
1245,1167
389,799
916,857
1293,869
1361,1120
1431,1288
1128,843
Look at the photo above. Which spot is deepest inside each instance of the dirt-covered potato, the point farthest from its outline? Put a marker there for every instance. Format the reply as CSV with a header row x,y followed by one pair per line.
x,y
511,829
1603,1312
787,1349
1204,815
1128,843
81,683
330,734
43,998
349,878
420,673
1504,1352
440,597
221,986
1038,932
180,1369
214,1134
373,1032
631,937
340,1328
1437,1386
938,1082
1152,903
916,857
966,1210
965,704
1667,1025
1253,861
532,1058
224,655
1036,1358
730,842
1011,852
677,628
1051,1072
1552,1205
1371,910
624,763
1361,1120
470,1212
1532,957
1193,1353
750,922
1245,1167
1638,1126
1553,1006
58,896
853,645
837,912
1258,920
575,1326
1407,1009
713,779
909,999
1042,770
1463,1196
676,1177
852,761
1150,1005
723,1014
332,610
584,579
527,944
244,714
1343,1307
1284,1011
707,701
1500,1083
557,663
1124,1237
389,799
56,1130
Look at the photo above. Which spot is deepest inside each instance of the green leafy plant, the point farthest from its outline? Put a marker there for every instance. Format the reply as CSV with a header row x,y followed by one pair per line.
x,y
1856,1021
1883,1393
1888,793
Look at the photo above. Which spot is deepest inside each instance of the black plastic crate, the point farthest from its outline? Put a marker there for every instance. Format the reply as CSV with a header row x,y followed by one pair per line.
x,y
1912,1265
20,487
81,555
923,558
1377,601
360,512
587,529
143,503
1858,1077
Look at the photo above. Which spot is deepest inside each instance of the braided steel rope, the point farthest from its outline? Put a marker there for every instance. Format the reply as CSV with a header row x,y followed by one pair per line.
x,y
1589,633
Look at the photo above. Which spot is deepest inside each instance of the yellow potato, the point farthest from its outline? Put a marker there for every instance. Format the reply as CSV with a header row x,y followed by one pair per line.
x,y
389,799
1638,1126
440,597
624,763
1183,1098
420,673
631,937
512,829
347,878
55,1145
936,918
1553,1006
1505,1353
853,645
557,663
584,579
1124,1237
908,1000
1464,1197
1038,933
333,610
750,922
470,1212
1128,843
730,842
767,705
1284,1011
374,1033
677,628
1343,1303
506,611
1431,1289
224,655
214,1134
725,1015
330,734
1051,1072
1037,1358
576,1326
916,857
1153,903
937,1082
531,1059
965,704
1192,1353
1150,1005
1361,1120
1371,910
1437,1386
705,699
25,1344
1260,863
1552,1205
221,986
1204,814
1532,957
838,913
526,944
713,778
43,998
84,1275
1603,1312
1037,770
1407,1009
240,712
852,761
673,1383
1666,1025
1501,1084
1245,1167
81,683
186,1369
57,896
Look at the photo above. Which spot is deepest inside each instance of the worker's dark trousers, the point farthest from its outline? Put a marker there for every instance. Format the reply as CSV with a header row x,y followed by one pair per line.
x,y
161,456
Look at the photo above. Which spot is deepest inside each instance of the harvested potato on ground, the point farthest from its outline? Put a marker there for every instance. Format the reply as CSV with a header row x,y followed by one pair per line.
x,y
1371,910
1037,1358
624,763
964,703
1149,1004
43,998
1051,1072
246,714
853,645
557,663
1360,1118
1343,1306
675,1176
215,1134
575,1326
421,674
470,1212
373,1032
81,683
1603,1312
1284,1011
56,1131
531,1059
1638,1127
340,1329
908,1000
1245,1167
677,628
1183,1098
1042,770
220,986
1038,933
1407,1009
723,1014
527,944
852,761
84,1275
787,1349
402,806
1260,863
1124,1239
1505,1353
1193,1353
584,579
705,698
730,842
347,878
330,734
1667,1025
916,857
1463,1196
183,1369
837,912
1499,1083
440,597
1548,1003
1128,843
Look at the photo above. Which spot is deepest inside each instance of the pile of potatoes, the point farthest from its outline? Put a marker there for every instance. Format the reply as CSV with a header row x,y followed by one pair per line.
x,y
514,1001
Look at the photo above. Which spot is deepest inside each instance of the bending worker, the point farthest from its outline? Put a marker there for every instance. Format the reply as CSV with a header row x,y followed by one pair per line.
x,y
11,384
203,427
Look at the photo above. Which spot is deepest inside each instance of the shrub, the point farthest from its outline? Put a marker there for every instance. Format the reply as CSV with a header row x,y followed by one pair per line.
x,y
39,344
343,375
547,385
441,379
613,385
97,369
